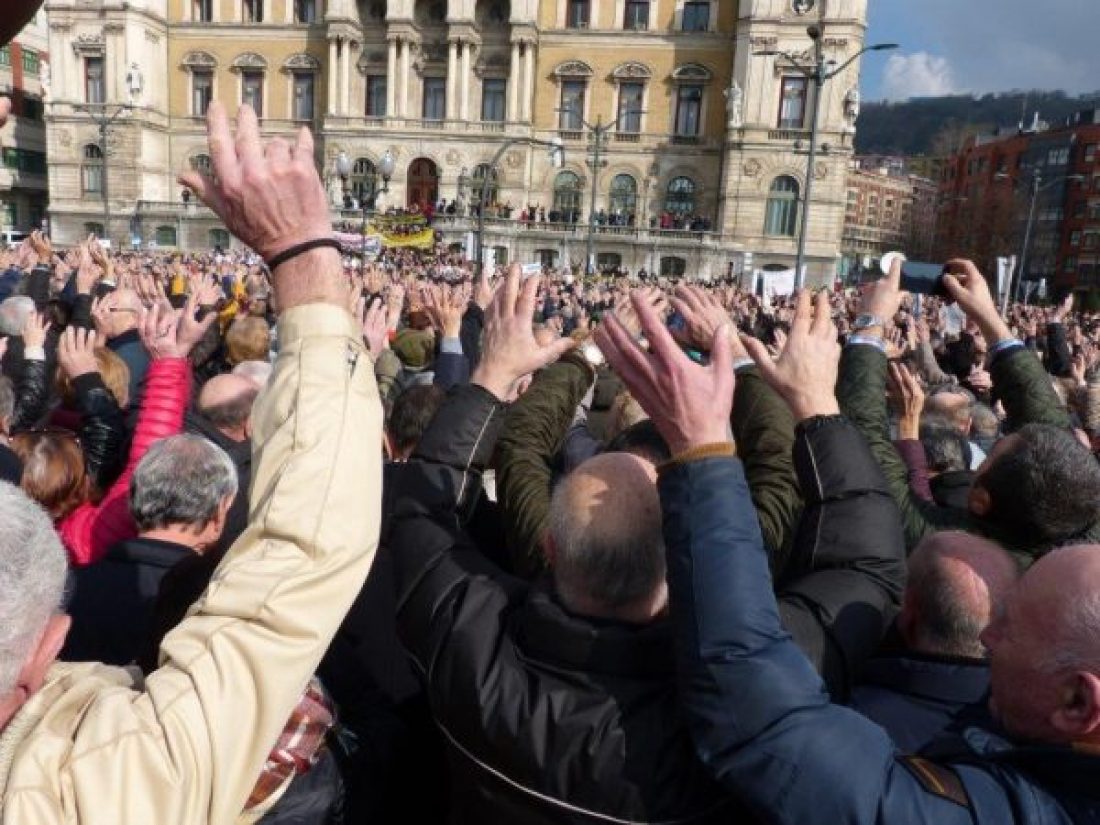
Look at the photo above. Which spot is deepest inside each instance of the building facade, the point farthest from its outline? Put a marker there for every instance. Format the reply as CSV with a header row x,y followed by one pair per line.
x,y
703,158
1048,177
24,75
887,209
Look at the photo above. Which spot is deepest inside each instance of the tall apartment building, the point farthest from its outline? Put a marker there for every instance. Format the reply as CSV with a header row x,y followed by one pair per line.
x,y
24,75
986,201
704,128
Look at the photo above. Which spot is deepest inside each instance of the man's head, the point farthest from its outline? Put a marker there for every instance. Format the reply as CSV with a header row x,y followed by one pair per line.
x,y
7,404
183,486
14,312
953,404
226,402
1039,485
33,567
122,312
412,412
605,544
945,448
957,582
247,339
984,423
1044,650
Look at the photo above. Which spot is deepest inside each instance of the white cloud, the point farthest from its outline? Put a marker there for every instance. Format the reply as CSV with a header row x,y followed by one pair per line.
x,y
917,75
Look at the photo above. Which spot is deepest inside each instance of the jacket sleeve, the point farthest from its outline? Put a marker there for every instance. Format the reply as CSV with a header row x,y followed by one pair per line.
x,y
916,460
92,529
451,370
850,537
102,431
473,322
757,711
534,431
386,370
1024,388
189,748
38,285
81,315
763,430
32,394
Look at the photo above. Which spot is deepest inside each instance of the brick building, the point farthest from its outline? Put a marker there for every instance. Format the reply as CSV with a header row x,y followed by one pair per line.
x,y
24,73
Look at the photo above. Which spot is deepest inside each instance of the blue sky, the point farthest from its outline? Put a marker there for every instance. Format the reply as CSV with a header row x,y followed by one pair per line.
x,y
950,46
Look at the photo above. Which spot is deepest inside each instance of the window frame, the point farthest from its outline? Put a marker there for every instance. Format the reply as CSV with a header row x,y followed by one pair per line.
x,y
682,100
571,119
572,7
433,93
499,96
627,122
783,208
373,96
681,195
300,6
790,82
206,74
695,6
92,168
624,200
89,61
259,76
295,110
202,11
635,5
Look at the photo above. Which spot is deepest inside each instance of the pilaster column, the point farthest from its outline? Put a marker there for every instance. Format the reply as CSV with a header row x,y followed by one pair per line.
x,y
513,86
332,69
391,79
345,76
452,78
353,60
528,80
464,111
406,69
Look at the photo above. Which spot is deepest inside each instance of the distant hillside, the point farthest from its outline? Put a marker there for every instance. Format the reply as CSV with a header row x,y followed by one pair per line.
x,y
937,125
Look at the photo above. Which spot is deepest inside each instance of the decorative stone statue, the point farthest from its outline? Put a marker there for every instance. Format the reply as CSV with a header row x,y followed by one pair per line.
x,y
335,191
851,107
735,101
44,78
135,83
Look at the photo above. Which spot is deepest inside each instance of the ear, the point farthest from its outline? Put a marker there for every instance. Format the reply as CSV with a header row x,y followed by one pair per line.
x,y
45,653
979,502
1078,715
248,428
549,549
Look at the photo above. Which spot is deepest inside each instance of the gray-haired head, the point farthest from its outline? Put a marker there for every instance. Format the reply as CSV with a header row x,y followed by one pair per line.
x,y
33,566
7,401
181,481
14,312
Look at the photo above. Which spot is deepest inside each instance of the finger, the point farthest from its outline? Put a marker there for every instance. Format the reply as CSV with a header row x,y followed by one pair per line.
x,y
553,351
759,353
278,151
249,148
223,155
953,287
303,149
803,314
721,355
661,342
894,277
623,354
687,296
511,289
822,326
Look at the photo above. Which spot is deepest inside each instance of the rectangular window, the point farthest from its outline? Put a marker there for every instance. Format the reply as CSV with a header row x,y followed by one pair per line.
x,y
636,15
376,95
11,213
576,16
202,11
689,108
493,93
252,11
94,87
305,11
202,92
303,96
1075,238
30,62
696,17
93,178
435,98
792,105
571,117
5,56
630,107
252,91
1090,151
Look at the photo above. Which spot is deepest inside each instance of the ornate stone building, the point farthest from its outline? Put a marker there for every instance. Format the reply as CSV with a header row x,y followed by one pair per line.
x,y
704,159
24,76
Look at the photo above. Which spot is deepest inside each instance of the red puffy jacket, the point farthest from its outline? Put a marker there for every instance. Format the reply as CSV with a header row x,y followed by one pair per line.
x,y
91,529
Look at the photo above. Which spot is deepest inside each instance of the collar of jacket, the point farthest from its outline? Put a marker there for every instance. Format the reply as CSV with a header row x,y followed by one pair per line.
x,y
149,552
129,337
239,451
938,678
553,636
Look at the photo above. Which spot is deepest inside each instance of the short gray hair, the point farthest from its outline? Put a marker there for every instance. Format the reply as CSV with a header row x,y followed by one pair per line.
x,y
33,566
181,480
14,312
7,398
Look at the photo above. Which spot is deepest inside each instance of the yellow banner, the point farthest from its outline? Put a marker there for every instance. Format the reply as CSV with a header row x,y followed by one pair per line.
x,y
424,239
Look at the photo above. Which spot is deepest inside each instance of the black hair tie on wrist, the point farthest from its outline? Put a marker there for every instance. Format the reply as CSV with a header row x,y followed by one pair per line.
x,y
301,249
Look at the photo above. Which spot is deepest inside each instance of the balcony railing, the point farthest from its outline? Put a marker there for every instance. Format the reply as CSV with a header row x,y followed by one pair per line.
x,y
467,223
571,134
788,134
686,140
627,137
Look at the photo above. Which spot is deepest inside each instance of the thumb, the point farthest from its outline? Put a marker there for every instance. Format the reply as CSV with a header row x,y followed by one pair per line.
x,y
759,353
721,352
556,350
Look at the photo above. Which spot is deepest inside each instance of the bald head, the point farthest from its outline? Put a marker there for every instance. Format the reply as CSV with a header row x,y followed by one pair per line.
x,y
1061,595
606,540
124,310
226,402
956,583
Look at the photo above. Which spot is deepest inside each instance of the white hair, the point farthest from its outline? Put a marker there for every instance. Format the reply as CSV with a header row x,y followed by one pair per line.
x,y
33,566
14,312
258,372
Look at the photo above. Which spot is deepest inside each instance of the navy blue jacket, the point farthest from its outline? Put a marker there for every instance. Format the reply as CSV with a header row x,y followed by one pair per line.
x,y
761,718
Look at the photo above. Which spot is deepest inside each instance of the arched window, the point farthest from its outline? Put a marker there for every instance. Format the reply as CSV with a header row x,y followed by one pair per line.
x,y
202,165
567,197
782,213
166,236
219,238
364,180
680,196
673,267
92,170
484,177
624,195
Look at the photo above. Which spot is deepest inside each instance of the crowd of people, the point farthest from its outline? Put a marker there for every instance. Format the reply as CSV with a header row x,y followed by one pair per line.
x,y
291,539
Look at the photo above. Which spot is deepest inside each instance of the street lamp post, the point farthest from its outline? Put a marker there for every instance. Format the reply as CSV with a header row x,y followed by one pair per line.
x,y
819,73
386,166
103,115
557,158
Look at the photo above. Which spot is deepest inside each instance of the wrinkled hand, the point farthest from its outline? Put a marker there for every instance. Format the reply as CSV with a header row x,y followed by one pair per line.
x,y
883,298
690,404
372,320
703,316
446,306
168,334
76,352
35,330
805,373
42,247
968,287
909,395
509,348
395,305
87,276
626,309
980,379
206,289
1063,309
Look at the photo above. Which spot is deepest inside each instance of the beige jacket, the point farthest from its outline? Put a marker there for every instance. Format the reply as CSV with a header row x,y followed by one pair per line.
x,y
94,747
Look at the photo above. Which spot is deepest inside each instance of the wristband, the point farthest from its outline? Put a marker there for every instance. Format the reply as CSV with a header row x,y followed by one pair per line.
x,y
302,249
742,363
867,340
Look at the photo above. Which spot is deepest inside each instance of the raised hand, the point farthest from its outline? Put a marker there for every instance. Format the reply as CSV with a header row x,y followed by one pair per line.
x,y
372,320
395,305
909,396
883,299
509,348
35,331
805,373
41,246
968,287
446,306
206,289
76,352
690,404
168,334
